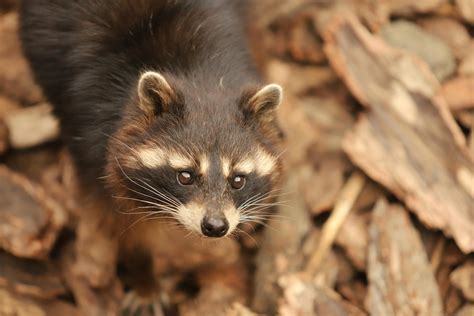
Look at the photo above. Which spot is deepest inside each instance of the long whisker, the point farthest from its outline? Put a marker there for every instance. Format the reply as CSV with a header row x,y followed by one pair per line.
x,y
152,197
247,234
134,182
150,203
136,222
169,197
160,210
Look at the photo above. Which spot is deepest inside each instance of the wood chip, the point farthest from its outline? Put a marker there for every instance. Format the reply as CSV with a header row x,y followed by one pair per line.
x,y
453,300
466,8
409,134
30,277
466,310
300,40
452,32
92,302
346,199
301,297
330,269
280,250
322,188
463,279
300,79
459,93
431,49
29,220
32,126
220,287
12,304
355,291
238,309
409,7
400,278
353,238
212,300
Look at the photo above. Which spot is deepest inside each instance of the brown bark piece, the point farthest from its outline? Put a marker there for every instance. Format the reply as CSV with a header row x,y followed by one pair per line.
x,y
431,49
330,269
463,279
29,220
459,93
322,188
301,297
453,300
295,77
400,278
409,135
34,278
12,304
16,81
239,310
296,38
280,250
452,32
466,310
345,202
32,126
220,287
355,291
213,300
376,14
353,238
410,7
92,302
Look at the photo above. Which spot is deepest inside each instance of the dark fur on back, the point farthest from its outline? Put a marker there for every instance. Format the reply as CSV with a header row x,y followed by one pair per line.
x,y
88,54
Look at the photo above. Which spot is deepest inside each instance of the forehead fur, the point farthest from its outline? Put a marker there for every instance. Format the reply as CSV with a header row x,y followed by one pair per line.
x,y
154,156
260,162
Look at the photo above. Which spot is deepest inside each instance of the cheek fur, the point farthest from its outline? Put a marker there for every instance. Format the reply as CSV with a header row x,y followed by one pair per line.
x,y
191,215
233,217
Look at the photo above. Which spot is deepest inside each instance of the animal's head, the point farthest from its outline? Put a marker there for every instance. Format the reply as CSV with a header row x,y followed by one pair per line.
x,y
206,159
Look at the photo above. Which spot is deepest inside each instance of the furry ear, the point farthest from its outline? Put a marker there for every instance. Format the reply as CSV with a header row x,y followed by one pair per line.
x,y
263,104
155,95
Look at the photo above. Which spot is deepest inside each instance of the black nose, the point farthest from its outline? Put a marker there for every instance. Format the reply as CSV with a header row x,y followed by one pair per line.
x,y
214,226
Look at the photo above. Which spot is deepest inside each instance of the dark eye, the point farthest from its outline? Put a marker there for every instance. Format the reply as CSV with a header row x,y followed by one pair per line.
x,y
237,182
185,178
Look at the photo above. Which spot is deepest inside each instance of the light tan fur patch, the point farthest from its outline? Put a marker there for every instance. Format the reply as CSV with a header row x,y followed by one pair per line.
x,y
264,162
204,164
225,163
233,217
151,157
261,162
191,215
245,166
179,161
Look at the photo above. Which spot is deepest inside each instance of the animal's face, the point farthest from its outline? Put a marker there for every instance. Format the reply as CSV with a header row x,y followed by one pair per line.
x,y
210,168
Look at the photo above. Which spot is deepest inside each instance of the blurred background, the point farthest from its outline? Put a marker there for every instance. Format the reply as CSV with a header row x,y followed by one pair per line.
x,y
376,215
